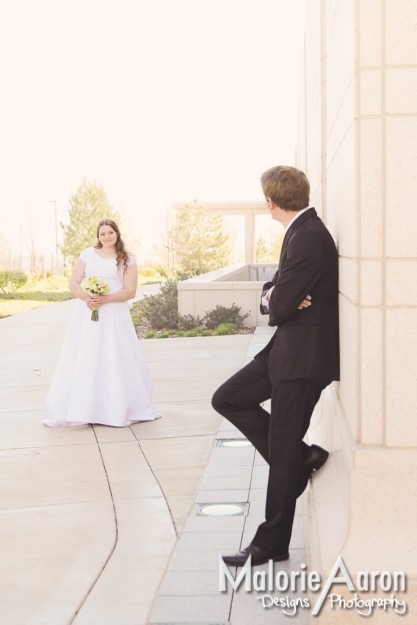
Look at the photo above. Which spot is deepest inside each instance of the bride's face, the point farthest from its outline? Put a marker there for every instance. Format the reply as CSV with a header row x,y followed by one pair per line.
x,y
107,236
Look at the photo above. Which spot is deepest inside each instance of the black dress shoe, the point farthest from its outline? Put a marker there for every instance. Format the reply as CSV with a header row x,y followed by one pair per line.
x,y
259,556
314,460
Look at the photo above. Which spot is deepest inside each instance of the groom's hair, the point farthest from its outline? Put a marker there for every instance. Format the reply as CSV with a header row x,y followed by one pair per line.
x,y
287,187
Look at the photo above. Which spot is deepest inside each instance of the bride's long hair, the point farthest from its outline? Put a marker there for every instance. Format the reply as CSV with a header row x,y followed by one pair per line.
x,y
122,256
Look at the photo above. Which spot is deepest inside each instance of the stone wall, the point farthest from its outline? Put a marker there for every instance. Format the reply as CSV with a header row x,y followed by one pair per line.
x,y
358,146
239,284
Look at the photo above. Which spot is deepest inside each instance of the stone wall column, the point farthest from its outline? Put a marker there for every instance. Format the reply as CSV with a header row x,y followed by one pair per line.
x,y
361,89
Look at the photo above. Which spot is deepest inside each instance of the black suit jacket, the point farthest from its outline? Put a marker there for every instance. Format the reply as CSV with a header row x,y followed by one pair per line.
x,y
306,343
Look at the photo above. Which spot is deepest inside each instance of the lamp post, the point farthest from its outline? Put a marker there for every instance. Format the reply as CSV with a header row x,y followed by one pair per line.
x,y
56,235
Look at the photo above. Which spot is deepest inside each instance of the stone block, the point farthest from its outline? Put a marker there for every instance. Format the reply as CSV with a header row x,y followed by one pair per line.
x,y
349,279
401,375
370,32
371,282
372,381
400,276
372,183
401,184
370,92
400,32
401,90
349,362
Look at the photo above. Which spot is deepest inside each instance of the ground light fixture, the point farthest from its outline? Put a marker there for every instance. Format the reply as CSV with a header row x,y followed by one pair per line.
x,y
222,509
233,442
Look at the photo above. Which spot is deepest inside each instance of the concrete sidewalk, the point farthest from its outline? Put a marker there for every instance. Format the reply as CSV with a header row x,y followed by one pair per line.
x,y
235,475
90,516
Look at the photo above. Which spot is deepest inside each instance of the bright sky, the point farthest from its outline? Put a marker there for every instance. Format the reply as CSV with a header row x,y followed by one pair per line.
x,y
160,101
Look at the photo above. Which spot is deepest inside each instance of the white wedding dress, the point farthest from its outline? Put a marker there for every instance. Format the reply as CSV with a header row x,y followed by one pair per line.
x,y
101,375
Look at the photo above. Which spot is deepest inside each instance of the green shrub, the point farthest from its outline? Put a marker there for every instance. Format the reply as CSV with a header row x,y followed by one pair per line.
x,y
225,328
136,320
148,272
149,335
56,283
161,311
138,308
188,322
33,281
161,270
10,281
194,332
181,274
220,314
68,269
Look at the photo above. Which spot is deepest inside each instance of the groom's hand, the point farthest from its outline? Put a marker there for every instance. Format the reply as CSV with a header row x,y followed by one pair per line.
x,y
305,303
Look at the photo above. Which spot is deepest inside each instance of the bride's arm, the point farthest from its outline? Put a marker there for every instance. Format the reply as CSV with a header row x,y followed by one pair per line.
x,y
130,284
75,281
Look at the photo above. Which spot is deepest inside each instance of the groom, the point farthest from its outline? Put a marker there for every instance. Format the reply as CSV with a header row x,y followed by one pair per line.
x,y
300,360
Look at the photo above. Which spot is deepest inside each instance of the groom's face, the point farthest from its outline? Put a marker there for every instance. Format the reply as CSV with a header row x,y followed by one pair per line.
x,y
276,211
280,214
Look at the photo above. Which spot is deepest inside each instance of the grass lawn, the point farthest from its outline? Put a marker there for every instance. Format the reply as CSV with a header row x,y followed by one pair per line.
x,y
37,293
34,294
12,303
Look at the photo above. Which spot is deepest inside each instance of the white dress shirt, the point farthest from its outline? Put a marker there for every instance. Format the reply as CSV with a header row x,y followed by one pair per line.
x,y
296,217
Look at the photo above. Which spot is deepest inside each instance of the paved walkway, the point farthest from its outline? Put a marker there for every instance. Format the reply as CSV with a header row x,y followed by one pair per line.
x,y
235,474
90,516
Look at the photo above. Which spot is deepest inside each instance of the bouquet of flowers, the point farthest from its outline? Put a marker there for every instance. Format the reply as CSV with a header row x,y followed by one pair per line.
x,y
96,286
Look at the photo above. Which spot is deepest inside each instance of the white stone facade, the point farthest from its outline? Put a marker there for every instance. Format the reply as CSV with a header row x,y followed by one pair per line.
x,y
358,146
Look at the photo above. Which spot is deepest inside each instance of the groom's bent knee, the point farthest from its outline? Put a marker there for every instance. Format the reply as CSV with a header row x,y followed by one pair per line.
x,y
221,400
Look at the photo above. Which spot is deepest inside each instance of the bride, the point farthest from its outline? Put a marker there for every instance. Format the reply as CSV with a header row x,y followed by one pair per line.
x,y
101,375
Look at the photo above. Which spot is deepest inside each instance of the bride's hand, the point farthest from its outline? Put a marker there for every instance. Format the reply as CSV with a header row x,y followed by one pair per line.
x,y
94,301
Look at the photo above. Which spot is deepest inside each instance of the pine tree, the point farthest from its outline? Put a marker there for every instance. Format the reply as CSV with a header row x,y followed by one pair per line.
x,y
199,240
89,205
277,241
262,252
266,254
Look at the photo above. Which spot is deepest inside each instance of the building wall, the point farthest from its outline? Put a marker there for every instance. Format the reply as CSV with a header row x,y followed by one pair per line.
x,y
358,146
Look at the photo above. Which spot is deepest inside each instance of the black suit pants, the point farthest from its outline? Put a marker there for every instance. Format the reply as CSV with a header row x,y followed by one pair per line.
x,y
278,436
